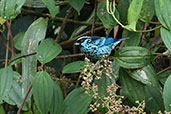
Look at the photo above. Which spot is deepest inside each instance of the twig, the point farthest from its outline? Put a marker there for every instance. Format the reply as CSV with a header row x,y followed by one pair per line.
x,y
61,19
68,56
11,38
86,33
23,56
6,56
3,43
94,21
25,97
64,24
142,34
168,68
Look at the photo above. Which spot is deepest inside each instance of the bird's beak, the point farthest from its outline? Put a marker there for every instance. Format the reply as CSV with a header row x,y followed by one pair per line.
x,y
77,44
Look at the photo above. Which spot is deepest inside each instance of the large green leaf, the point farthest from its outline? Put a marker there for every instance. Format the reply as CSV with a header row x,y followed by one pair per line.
x,y
146,75
74,67
43,91
51,7
131,88
133,13
48,50
9,9
167,94
166,37
105,17
77,102
77,4
6,77
123,10
147,11
35,33
154,100
57,100
163,12
132,57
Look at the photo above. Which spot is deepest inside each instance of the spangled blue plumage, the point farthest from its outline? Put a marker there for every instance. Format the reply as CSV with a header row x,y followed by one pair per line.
x,y
95,46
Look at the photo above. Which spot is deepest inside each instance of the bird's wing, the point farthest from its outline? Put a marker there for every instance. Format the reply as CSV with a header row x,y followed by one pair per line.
x,y
98,41
109,41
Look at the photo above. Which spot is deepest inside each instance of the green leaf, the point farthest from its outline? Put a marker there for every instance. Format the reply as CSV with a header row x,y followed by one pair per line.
x,y
167,94
43,91
154,100
163,12
57,100
2,111
147,11
34,3
35,33
131,88
18,39
123,10
15,96
166,37
51,7
105,17
6,76
74,67
146,75
77,4
102,84
77,102
163,76
133,13
48,50
132,57
9,9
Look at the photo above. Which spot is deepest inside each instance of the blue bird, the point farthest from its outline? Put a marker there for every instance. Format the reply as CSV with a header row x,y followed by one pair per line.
x,y
96,47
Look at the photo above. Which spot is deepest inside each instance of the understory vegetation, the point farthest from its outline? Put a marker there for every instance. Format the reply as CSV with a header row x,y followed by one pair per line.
x,y
43,72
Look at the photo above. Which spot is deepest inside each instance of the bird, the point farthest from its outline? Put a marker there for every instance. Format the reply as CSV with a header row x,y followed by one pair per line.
x,y
96,47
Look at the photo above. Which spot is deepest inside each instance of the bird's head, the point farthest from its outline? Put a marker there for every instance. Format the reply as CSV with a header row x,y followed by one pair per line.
x,y
83,40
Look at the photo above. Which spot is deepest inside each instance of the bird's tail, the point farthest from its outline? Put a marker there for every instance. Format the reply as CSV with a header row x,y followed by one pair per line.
x,y
118,41
123,39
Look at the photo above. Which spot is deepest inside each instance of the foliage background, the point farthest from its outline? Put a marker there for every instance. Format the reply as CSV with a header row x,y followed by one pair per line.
x,y
40,66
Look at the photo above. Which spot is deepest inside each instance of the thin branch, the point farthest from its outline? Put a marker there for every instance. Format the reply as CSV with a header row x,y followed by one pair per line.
x,y
25,97
3,43
94,21
61,19
68,56
11,38
23,56
64,24
168,68
84,34
6,56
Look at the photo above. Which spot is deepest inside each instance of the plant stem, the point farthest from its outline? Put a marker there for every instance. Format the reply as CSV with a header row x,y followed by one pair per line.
x,y
86,33
25,97
64,24
94,21
61,19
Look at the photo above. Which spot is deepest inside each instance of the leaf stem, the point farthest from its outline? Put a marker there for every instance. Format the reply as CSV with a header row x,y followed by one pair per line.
x,y
25,97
